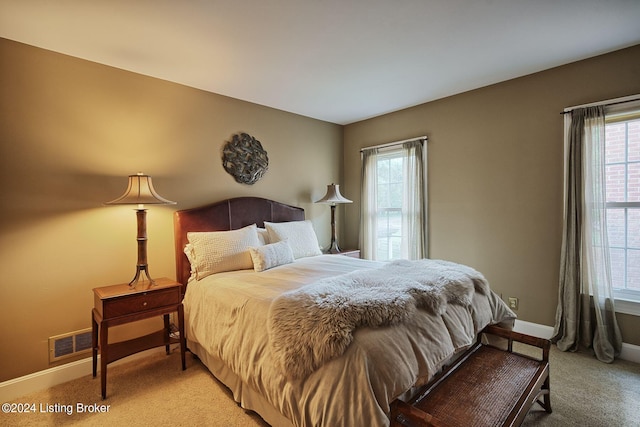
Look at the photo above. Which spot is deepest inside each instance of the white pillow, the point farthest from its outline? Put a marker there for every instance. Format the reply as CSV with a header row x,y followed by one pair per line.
x,y
300,235
263,236
188,251
271,255
218,251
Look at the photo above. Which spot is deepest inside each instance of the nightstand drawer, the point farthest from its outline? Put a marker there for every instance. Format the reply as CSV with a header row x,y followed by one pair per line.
x,y
116,307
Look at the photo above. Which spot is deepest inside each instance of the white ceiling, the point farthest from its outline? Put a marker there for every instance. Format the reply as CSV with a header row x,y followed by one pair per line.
x,y
334,60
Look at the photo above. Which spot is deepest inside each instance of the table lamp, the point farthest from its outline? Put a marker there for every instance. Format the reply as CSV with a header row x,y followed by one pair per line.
x,y
141,192
333,197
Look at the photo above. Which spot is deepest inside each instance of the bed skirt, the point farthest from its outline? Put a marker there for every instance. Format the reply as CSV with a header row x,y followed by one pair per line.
x,y
244,394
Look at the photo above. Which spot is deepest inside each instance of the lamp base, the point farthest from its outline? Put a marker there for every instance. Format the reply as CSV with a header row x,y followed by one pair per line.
x,y
333,248
138,279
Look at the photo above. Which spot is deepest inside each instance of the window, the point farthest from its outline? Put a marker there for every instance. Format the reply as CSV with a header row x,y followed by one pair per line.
x,y
622,171
389,210
393,213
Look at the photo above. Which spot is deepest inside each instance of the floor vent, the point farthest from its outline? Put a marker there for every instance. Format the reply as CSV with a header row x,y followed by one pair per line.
x,y
69,344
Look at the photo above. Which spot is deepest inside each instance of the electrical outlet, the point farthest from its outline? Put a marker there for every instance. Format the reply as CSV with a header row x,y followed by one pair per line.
x,y
513,303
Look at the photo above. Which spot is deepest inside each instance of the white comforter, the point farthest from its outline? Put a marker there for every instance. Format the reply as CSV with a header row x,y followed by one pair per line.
x,y
226,314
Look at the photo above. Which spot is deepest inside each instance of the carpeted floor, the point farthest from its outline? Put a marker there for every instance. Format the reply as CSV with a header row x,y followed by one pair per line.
x,y
588,393
154,391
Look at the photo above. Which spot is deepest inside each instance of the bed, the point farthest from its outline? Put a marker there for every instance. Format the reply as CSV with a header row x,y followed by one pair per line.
x,y
256,320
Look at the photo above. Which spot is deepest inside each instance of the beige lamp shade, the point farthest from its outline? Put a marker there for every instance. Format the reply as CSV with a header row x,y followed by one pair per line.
x,y
140,192
333,196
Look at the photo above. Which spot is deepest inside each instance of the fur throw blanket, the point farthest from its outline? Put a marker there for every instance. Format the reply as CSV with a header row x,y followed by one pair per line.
x,y
313,324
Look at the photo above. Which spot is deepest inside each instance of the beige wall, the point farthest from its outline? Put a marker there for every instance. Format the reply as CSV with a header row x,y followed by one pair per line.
x,y
71,130
70,133
495,174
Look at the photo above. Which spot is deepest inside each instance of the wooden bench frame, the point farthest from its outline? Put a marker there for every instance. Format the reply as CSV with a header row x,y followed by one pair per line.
x,y
464,393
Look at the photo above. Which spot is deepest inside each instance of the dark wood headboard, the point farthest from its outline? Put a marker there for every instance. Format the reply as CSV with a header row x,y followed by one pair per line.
x,y
226,215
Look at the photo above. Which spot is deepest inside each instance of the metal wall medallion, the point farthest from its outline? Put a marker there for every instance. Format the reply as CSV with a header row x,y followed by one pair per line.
x,y
244,158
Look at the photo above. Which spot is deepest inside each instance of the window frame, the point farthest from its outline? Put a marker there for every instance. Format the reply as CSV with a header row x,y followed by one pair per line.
x,y
626,301
414,212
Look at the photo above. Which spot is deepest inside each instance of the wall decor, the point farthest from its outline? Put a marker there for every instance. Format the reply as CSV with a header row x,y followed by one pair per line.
x,y
244,158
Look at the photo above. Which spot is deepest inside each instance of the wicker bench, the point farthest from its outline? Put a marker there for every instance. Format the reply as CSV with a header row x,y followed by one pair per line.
x,y
486,386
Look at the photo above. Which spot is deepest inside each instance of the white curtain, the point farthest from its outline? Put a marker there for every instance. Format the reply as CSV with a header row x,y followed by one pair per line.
x,y
369,204
413,202
585,314
414,208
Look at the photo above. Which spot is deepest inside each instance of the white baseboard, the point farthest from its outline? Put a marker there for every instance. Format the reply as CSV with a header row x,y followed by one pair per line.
x,y
12,389
535,329
629,352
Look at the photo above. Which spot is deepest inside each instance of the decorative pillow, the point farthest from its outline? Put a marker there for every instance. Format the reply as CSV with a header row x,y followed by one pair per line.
x,y
218,251
271,255
300,235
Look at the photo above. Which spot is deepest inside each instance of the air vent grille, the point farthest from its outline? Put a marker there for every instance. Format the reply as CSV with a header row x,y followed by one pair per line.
x,y
69,344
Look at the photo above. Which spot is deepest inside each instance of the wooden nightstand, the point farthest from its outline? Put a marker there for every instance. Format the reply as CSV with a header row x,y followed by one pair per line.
x,y
119,304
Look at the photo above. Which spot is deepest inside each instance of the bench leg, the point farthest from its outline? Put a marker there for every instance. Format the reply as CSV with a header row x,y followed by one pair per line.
x,y
547,396
545,392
